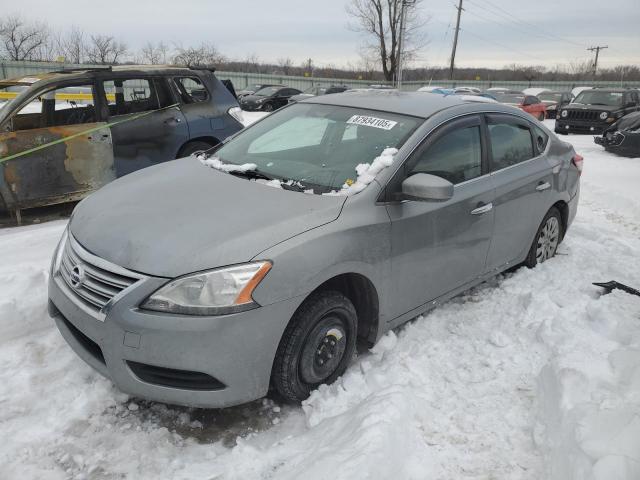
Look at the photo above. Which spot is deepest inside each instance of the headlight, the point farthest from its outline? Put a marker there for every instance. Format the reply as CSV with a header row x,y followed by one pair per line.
x,y
216,292
604,115
57,253
236,112
564,113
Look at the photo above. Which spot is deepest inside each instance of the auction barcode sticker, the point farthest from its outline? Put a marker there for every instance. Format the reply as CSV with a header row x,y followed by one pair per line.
x,y
372,122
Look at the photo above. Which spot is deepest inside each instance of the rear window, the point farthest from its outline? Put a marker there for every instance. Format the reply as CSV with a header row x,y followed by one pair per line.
x,y
510,144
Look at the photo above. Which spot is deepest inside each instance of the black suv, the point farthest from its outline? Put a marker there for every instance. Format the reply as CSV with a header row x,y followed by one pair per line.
x,y
268,99
594,110
64,134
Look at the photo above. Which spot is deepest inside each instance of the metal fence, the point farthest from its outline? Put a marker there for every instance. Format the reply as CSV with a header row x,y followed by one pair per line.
x,y
11,69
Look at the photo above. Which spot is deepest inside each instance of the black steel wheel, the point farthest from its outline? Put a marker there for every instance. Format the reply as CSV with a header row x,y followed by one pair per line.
x,y
317,345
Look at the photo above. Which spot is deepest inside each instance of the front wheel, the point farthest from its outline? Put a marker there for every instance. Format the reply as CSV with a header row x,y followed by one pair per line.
x,y
317,345
548,237
267,108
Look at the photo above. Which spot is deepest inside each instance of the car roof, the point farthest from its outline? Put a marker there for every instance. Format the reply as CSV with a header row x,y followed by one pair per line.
x,y
417,104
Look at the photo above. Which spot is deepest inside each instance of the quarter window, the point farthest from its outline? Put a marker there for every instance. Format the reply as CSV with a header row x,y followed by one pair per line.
x,y
456,156
191,90
510,144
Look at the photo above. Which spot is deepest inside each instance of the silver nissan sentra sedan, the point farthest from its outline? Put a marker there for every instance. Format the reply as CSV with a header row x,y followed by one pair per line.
x,y
207,280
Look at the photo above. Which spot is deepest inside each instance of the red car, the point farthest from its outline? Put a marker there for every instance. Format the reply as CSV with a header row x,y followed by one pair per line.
x,y
529,103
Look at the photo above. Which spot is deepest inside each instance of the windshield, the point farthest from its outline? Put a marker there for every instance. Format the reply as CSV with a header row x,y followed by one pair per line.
x,y
550,97
319,146
508,98
597,97
9,92
267,91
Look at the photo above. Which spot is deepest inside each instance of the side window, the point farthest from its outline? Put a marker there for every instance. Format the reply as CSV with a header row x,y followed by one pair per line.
x,y
298,132
135,95
456,156
510,143
68,105
540,138
191,89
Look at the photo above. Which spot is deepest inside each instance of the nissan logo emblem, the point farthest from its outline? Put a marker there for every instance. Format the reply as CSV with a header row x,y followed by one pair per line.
x,y
77,276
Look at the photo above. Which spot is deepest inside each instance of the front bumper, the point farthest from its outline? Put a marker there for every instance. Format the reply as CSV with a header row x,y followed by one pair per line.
x,y
577,126
196,361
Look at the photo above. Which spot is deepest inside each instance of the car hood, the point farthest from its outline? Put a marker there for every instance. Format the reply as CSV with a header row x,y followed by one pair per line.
x,y
595,108
630,122
181,217
252,98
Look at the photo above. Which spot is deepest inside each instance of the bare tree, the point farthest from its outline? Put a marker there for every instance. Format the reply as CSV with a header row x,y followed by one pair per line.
x,y
205,54
155,54
72,45
105,50
22,40
380,21
285,64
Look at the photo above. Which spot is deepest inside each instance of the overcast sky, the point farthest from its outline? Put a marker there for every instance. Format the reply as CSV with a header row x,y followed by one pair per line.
x,y
494,32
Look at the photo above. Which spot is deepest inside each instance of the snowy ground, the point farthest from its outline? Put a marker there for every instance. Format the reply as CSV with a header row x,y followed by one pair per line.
x,y
533,375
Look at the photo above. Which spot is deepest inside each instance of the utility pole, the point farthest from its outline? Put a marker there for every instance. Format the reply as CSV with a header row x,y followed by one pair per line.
x,y
596,49
399,62
455,41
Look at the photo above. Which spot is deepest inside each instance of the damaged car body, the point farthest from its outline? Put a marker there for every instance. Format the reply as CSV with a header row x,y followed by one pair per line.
x,y
65,134
623,137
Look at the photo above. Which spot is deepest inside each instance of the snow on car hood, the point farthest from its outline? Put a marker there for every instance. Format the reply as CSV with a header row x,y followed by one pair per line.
x,y
180,217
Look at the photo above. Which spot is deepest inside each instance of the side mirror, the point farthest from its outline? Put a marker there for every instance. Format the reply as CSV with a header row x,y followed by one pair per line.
x,y
425,187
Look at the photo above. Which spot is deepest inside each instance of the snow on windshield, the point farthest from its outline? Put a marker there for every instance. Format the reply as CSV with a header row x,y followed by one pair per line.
x,y
216,163
367,173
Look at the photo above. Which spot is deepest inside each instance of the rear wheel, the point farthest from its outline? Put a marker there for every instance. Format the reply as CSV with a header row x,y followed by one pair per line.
x,y
317,345
548,237
193,147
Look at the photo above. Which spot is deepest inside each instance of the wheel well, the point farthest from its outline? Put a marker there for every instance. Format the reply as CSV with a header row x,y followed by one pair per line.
x,y
210,140
563,208
364,297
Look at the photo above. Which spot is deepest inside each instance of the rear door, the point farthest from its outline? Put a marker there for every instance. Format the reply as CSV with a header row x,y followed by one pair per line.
x,y
77,157
523,179
154,138
440,246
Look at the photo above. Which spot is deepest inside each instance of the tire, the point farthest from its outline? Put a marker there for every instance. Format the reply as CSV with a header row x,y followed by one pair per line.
x,y
548,237
193,147
267,107
317,345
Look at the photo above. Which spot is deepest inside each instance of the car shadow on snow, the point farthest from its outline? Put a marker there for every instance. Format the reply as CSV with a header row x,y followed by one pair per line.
x,y
203,425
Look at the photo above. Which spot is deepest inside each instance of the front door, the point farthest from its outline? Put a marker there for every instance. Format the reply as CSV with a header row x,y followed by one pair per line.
x,y
153,138
77,157
440,246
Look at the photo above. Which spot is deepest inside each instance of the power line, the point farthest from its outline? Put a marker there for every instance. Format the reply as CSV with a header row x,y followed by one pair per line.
x,y
535,29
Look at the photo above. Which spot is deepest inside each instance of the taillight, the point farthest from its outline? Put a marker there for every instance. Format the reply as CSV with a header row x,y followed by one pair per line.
x,y
577,160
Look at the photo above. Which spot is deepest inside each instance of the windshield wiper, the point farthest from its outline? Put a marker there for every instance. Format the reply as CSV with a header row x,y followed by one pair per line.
x,y
251,174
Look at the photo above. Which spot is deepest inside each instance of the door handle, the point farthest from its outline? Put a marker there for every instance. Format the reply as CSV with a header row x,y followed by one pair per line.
x,y
487,207
543,186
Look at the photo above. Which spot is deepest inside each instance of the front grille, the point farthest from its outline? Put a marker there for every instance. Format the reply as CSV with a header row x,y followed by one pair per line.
x,y
92,281
583,115
170,377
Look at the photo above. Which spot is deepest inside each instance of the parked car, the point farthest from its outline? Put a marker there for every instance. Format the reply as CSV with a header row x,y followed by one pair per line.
x,y
497,90
553,100
94,114
305,253
623,137
469,90
253,88
430,88
595,109
268,99
318,90
441,91
529,103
